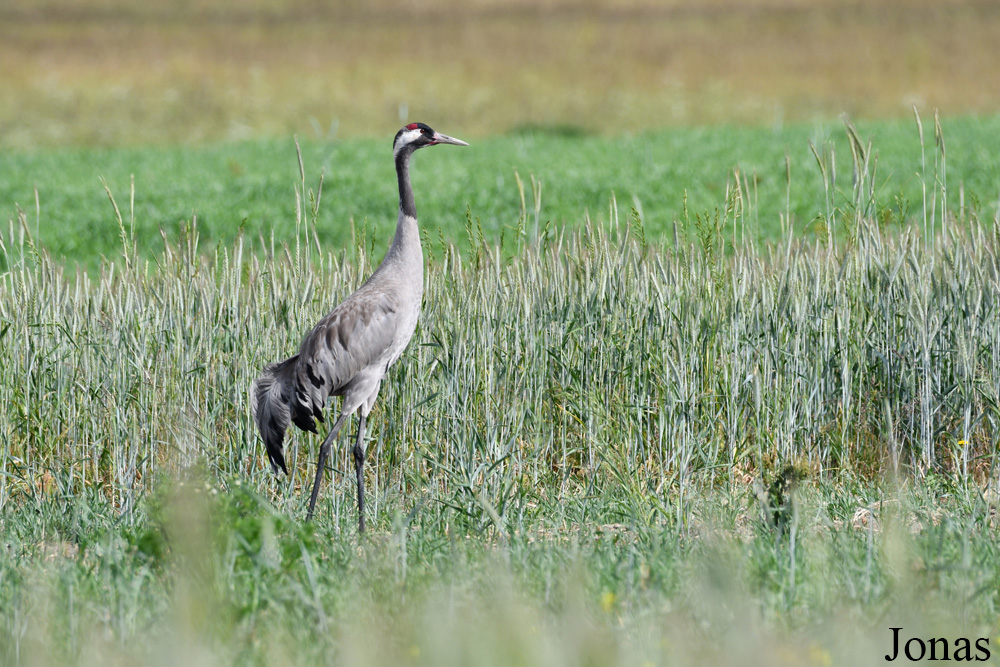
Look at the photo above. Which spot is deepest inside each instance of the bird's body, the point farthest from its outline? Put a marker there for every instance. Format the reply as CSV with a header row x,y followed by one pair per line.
x,y
349,351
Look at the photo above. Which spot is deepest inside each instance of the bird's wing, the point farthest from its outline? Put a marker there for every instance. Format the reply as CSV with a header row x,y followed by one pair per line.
x,y
353,336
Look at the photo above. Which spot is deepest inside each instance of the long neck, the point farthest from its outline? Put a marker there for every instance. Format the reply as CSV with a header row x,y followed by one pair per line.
x,y
406,205
406,244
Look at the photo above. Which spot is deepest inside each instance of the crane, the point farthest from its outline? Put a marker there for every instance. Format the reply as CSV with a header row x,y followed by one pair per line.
x,y
349,352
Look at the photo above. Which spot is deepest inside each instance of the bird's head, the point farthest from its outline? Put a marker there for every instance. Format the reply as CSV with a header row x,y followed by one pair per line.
x,y
418,135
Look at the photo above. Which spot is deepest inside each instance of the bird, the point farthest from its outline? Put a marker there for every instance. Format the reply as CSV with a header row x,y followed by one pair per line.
x,y
349,352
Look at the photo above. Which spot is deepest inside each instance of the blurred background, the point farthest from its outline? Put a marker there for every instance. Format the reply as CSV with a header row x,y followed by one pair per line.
x,y
128,72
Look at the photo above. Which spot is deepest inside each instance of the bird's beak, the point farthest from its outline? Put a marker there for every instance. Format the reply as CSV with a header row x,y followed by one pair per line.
x,y
445,139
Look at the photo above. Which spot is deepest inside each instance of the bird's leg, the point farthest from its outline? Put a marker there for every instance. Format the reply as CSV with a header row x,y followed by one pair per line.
x,y
324,451
359,464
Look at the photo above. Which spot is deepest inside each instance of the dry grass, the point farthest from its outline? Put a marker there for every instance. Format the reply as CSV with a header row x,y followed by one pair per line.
x,y
112,73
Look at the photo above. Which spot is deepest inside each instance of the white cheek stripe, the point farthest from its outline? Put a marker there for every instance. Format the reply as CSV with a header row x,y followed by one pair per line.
x,y
406,137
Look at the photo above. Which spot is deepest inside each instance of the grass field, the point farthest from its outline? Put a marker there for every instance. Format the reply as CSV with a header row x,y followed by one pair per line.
x,y
705,375
596,450
113,72
249,185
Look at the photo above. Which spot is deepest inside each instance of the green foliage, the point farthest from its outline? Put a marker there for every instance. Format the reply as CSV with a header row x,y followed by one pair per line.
x,y
596,448
248,186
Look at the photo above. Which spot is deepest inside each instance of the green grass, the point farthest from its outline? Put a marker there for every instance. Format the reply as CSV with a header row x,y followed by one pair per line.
x,y
209,572
249,185
577,460
752,421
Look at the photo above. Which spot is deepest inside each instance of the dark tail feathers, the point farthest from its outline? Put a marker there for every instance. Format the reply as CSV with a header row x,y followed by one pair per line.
x,y
271,398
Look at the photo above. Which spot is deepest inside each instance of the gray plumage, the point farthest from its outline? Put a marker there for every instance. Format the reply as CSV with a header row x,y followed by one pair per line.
x,y
350,350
